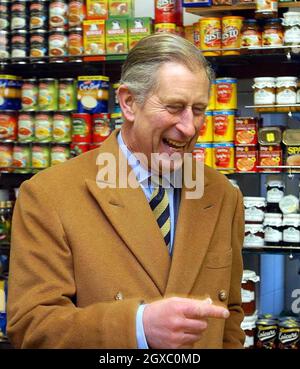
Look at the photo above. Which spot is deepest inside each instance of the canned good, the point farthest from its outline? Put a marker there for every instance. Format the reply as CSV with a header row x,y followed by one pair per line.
x,y
19,18
62,127
266,333
6,157
289,335
38,43
270,156
92,94
116,100
231,34
48,94
196,32
8,126
22,158
26,123
4,45
246,131
223,122
78,148
116,120
81,127
58,42
223,157
165,11
292,147
212,97
204,152
58,16
40,156
226,93
10,92
165,27
210,36
67,94
101,127
246,159
76,13
38,14
206,131
29,94
95,145
75,43
43,127
59,154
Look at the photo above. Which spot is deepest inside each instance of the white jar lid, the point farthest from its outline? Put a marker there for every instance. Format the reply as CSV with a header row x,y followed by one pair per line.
x,y
287,78
254,228
254,201
275,183
249,275
249,322
289,204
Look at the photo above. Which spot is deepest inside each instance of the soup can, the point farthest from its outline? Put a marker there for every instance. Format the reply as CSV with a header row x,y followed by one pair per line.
x,y
223,122
101,127
204,153
206,131
212,97
59,154
226,93
8,126
210,36
40,156
6,157
26,123
223,157
165,27
62,127
48,94
77,148
29,94
67,94
165,11
81,127
22,158
43,127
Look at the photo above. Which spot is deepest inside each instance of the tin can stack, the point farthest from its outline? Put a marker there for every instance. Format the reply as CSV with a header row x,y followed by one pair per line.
x,y
169,16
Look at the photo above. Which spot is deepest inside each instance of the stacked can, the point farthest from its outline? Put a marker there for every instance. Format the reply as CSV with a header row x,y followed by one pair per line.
x,y
38,24
169,16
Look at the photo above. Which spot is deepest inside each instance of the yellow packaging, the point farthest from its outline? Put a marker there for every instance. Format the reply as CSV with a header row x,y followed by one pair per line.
x,y
231,34
212,97
204,152
121,9
189,33
165,27
96,9
223,123
196,28
206,131
94,38
223,157
226,93
210,36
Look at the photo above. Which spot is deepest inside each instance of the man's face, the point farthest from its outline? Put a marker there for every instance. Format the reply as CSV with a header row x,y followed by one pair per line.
x,y
169,120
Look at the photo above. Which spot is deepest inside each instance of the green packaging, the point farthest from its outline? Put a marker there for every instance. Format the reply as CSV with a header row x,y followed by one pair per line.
x,y
138,28
116,36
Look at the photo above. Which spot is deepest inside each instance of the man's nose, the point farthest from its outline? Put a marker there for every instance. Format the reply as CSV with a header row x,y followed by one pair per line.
x,y
187,124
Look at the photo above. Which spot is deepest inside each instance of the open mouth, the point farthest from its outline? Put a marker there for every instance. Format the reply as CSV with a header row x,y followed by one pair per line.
x,y
174,144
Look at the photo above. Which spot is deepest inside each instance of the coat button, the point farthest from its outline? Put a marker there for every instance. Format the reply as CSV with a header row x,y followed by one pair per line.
x,y
222,295
119,296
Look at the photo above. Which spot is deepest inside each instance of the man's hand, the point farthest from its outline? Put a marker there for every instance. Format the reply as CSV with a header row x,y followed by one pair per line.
x,y
178,322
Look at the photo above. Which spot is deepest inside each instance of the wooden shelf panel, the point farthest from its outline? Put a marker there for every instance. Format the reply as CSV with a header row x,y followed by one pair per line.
x,y
213,10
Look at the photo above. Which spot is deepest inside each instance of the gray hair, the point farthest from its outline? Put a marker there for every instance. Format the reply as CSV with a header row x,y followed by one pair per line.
x,y
144,60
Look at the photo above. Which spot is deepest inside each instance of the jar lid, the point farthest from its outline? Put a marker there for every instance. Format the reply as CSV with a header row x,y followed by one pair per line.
x,y
254,228
269,136
249,322
275,183
286,81
289,204
254,201
291,137
249,275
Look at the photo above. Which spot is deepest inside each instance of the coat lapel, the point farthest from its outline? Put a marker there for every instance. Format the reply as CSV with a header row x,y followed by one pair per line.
x,y
130,215
195,226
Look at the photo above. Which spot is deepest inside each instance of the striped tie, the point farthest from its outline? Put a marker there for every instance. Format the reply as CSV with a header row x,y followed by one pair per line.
x,y
159,204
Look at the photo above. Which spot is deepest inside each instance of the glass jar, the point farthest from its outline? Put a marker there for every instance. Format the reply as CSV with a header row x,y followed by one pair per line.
x,y
273,229
275,192
291,24
248,291
266,9
254,235
272,35
250,35
254,209
248,326
291,229
264,91
289,204
286,90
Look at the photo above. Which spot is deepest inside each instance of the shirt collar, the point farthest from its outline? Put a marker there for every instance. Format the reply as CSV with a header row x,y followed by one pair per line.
x,y
141,173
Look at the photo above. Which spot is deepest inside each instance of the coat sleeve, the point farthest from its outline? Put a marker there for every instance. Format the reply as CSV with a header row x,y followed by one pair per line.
x,y
233,334
42,311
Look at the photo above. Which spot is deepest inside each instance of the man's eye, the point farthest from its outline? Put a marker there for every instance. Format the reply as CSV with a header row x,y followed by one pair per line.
x,y
198,111
173,109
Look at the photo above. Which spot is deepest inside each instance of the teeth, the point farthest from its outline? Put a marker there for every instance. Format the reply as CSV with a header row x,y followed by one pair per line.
x,y
175,143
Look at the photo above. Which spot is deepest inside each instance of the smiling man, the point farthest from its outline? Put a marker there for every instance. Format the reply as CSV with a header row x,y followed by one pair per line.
x,y
138,267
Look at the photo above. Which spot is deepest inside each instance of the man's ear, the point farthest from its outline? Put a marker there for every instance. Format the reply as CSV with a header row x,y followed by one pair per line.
x,y
127,103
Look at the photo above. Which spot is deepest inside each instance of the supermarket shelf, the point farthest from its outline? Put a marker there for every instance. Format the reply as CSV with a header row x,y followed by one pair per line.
x,y
233,8
288,250
272,106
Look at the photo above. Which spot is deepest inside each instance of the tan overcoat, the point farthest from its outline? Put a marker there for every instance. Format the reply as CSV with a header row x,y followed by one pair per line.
x,y
84,258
